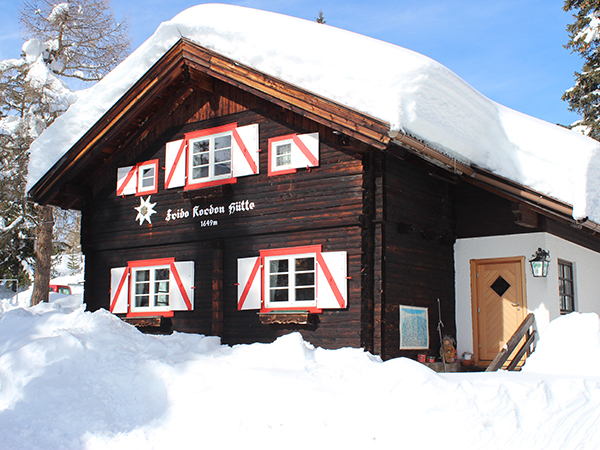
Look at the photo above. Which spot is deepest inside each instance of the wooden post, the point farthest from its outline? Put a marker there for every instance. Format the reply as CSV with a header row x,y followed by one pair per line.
x,y
217,289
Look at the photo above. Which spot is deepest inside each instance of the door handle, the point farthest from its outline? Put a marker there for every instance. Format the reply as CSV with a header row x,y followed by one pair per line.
x,y
514,304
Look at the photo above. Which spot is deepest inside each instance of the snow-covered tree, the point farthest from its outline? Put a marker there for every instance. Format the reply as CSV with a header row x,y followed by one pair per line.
x,y
76,39
584,39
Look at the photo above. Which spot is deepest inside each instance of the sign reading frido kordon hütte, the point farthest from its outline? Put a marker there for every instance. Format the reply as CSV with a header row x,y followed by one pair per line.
x,y
209,213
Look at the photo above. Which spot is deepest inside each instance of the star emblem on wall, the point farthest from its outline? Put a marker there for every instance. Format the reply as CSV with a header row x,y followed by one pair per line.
x,y
145,210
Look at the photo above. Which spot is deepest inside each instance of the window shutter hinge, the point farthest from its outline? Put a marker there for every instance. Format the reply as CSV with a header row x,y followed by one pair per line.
x,y
478,310
480,345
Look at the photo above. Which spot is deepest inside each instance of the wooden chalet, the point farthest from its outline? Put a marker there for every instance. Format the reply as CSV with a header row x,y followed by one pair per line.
x,y
217,199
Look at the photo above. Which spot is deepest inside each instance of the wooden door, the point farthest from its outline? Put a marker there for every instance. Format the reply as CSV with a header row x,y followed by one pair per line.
x,y
498,304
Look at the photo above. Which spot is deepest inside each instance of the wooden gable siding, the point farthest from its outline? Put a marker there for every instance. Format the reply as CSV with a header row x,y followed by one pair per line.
x,y
418,258
318,206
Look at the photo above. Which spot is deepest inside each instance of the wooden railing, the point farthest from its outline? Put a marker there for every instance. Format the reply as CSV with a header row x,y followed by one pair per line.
x,y
526,329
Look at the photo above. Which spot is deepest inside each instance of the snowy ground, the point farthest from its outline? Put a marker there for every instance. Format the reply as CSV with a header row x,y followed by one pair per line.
x,y
71,379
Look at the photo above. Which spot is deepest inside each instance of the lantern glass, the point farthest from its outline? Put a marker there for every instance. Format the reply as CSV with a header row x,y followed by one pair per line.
x,y
540,263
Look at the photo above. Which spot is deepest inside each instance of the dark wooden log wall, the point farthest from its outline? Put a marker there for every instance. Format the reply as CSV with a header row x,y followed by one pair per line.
x,y
418,251
318,206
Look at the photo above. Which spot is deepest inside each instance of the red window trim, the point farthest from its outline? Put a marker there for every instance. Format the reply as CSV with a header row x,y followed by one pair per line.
x,y
272,141
153,162
286,251
152,263
197,134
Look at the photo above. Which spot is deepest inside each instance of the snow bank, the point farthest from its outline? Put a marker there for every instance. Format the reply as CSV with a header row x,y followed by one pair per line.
x,y
72,379
570,345
410,91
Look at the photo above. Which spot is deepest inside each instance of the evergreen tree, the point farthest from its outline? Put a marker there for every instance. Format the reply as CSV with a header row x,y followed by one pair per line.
x,y
320,18
584,39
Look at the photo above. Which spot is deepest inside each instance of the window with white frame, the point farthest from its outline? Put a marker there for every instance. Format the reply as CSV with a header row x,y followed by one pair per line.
x,y
566,287
291,152
141,179
152,287
293,279
212,156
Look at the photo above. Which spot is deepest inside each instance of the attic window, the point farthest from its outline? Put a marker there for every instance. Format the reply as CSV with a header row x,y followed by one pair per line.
x,y
211,157
141,179
291,152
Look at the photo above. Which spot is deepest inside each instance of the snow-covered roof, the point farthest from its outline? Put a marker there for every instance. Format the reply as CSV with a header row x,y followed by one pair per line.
x,y
411,92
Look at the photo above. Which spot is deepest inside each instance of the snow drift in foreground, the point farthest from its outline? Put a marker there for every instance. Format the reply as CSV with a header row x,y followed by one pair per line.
x,y
71,379
410,91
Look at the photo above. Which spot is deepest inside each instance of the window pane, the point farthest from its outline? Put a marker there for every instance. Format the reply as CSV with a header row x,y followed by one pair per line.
x,y
162,274
222,142
162,300
222,155
200,159
305,264
200,146
278,265
279,295
142,301
161,287
305,279
303,294
142,275
200,172
283,149
222,168
279,281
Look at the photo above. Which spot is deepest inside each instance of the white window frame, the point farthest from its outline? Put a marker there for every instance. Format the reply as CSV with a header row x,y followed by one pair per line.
x,y
152,294
152,189
211,138
279,167
291,287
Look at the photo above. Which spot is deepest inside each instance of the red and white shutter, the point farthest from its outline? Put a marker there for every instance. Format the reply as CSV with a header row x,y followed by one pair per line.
x,y
332,284
249,283
175,158
181,292
126,180
245,150
119,290
305,150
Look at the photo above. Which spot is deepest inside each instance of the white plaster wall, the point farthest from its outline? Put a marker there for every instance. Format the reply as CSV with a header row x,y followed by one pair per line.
x,y
542,293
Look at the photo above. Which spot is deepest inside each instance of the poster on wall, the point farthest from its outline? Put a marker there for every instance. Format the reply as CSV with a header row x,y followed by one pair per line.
x,y
414,328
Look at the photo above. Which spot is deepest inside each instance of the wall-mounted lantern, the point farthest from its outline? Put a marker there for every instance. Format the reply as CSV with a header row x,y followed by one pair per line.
x,y
540,263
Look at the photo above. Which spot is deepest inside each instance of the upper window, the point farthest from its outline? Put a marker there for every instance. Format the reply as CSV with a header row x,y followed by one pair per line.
x,y
293,279
292,152
566,287
211,157
141,179
152,287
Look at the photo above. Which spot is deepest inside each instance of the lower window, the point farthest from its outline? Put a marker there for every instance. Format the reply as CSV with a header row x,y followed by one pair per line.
x,y
293,279
566,287
152,287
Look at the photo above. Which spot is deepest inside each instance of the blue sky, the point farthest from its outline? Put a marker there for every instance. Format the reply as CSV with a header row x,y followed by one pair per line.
x,y
510,50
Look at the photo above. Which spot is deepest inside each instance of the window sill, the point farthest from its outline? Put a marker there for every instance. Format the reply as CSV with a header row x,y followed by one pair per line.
x,y
286,318
143,322
219,191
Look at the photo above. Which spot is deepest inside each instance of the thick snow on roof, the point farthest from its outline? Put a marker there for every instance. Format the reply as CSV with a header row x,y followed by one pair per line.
x,y
410,91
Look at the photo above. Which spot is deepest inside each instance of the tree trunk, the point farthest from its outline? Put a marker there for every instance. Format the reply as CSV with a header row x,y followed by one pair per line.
x,y
43,256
